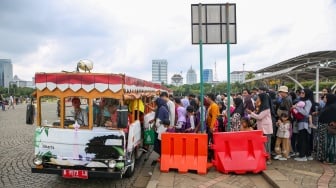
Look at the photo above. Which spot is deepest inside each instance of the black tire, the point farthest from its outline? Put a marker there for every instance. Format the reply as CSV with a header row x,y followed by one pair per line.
x,y
130,170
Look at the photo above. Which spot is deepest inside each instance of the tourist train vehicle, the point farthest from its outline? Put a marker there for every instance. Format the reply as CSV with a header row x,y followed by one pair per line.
x,y
95,148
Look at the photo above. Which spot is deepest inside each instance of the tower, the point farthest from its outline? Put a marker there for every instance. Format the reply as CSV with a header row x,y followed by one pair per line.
x,y
191,76
215,79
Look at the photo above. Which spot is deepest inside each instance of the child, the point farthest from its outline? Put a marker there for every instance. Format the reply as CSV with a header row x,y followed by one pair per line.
x,y
282,139
295,111
191,120
245,124
297,115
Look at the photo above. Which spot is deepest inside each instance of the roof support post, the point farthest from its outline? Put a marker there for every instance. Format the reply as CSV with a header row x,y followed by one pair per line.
x,y
295,81
332,87
317,83
296,77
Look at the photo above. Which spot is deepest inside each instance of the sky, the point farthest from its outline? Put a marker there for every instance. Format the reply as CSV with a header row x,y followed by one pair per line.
x,y
123,36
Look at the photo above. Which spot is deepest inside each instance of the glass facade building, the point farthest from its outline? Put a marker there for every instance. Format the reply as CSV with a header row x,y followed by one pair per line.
x,y
6,72
207,76
159,71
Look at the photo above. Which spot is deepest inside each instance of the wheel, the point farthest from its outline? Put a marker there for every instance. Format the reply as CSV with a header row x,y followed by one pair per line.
x,y
130,170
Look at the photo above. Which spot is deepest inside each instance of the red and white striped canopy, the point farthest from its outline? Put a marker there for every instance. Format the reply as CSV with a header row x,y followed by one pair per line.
x,y
90,81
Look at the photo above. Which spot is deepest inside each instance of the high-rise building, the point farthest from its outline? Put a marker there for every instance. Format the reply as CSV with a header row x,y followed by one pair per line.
x,y
207,76
191,76
238,76
21,83
159,71
6,72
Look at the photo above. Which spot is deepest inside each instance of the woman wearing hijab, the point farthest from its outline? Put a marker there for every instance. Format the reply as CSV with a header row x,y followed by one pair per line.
x,y
304,135
264,120
237,114
161,114
325,145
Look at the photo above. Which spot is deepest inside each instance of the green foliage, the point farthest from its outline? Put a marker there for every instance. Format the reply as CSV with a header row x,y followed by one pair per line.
x,y
311,85
220,87
16,91
249,75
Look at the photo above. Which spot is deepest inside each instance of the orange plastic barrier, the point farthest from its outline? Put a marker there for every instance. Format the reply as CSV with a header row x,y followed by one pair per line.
x,y
184,151
239,152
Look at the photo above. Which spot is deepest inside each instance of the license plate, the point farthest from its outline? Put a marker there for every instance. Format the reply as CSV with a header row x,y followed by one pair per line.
x,y
81,174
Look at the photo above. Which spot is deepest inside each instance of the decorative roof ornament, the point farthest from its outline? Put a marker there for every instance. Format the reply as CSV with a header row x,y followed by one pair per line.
x,y
85,65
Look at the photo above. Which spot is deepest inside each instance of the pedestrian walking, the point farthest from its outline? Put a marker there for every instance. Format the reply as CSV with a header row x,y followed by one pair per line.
x,y
11,102
2,103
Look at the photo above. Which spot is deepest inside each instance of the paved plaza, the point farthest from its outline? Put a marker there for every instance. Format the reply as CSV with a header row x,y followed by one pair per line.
x,y
287,174
17,152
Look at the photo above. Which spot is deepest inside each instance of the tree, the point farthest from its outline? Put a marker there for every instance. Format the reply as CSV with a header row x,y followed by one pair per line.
x,y
249,75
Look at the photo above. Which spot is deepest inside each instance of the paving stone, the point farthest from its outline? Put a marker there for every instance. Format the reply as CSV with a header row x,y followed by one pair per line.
x,y
17,153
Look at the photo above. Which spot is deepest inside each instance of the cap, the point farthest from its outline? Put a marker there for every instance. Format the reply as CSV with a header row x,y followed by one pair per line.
x,y
283,89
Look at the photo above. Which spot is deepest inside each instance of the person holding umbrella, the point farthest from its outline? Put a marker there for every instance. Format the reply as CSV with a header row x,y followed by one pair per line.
x,y
326,146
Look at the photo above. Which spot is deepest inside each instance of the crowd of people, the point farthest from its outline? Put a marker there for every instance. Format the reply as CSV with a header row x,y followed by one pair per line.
x,y
10,102
294,123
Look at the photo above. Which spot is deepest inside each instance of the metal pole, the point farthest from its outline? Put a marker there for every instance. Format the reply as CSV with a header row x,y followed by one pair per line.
x,y
201,64
317,83
296,78
243,72
228,65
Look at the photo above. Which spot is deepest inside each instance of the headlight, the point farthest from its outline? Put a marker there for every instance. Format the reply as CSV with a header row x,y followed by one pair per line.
x,y
112,163
37,161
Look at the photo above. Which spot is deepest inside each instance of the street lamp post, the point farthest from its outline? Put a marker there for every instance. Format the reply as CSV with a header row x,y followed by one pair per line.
x,y
243,72
9,86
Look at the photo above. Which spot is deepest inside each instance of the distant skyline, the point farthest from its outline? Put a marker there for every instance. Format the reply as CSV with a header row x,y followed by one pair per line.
x,y
125,36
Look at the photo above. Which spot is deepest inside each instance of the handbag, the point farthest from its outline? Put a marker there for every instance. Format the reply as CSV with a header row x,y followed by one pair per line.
x,y
149,135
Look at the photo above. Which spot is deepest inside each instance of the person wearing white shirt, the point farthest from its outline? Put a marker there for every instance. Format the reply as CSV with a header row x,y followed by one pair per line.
x,y
171,107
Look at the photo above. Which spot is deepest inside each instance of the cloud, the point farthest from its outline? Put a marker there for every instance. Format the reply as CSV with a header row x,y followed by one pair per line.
x,y
125,36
